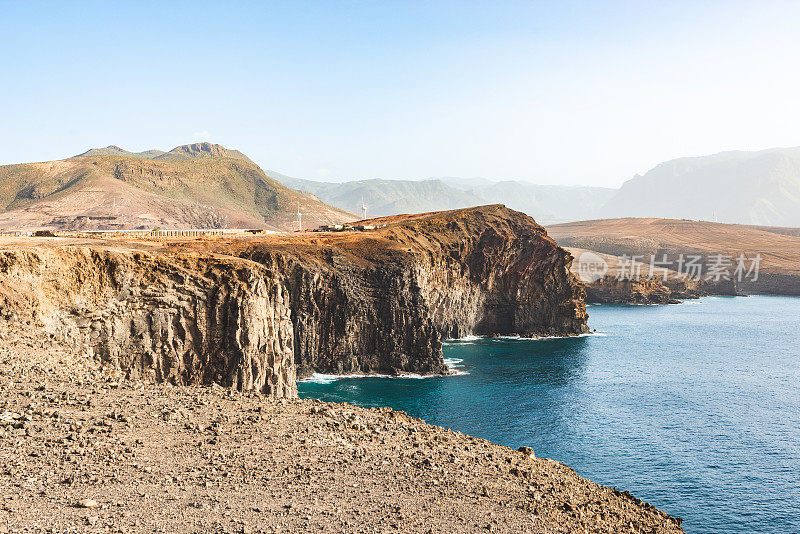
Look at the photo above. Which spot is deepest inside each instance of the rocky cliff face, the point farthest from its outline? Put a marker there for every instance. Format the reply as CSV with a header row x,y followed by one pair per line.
x,y
382,300
493,271
252,313
186,320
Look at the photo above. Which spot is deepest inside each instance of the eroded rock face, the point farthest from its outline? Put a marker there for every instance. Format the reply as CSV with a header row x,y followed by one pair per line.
x,y
185,320
494,271
251,314
383,301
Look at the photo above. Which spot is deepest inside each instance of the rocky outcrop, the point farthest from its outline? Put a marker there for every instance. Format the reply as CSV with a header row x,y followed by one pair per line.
x,y
381,301
612,290
182,319
253,313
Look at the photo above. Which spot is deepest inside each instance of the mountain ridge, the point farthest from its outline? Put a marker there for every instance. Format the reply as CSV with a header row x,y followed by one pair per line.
x,y
198,150
547,203
201,185
739,187
736,186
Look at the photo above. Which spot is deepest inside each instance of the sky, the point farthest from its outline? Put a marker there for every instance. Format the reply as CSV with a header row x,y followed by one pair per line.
x,y
572,93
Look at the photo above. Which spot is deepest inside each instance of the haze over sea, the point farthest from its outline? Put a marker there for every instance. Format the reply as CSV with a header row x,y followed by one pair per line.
x,y
694,408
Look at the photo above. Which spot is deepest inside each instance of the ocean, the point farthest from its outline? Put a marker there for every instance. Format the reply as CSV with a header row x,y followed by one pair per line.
x,y
694,407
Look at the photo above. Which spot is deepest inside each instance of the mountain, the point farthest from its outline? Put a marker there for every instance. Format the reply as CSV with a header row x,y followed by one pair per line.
x,y
113,150
387,197
761,188
201,150
467,183
192,186
546,203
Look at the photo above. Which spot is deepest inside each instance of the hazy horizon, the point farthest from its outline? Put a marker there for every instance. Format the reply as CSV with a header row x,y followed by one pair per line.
x,y
567,94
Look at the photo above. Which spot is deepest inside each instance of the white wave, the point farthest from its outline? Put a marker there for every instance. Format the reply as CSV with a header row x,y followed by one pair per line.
x,y
467,338
586,334
320,378
546,338
511,337
453,365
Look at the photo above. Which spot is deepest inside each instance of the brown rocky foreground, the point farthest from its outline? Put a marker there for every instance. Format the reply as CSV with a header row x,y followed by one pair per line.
x,y
82,449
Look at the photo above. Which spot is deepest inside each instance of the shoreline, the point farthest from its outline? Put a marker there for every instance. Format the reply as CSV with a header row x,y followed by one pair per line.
x,y
326,378
89,450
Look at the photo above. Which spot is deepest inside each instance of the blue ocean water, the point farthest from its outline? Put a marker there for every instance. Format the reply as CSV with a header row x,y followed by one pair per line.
x,y
694,408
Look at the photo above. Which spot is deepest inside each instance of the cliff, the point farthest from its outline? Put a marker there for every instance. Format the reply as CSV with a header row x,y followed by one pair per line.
x,y
182,319
382,300
612,290
251,313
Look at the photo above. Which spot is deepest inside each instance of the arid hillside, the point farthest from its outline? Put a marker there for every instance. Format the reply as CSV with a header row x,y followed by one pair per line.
x,y
192,186
778,248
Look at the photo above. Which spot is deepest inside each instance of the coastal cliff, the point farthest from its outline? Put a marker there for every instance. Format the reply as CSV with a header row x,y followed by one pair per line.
x,y
252,314
182,319
381,301
87,326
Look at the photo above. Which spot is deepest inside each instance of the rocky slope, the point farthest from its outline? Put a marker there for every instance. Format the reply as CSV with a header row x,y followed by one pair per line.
x,y
251,313
192,186
84,450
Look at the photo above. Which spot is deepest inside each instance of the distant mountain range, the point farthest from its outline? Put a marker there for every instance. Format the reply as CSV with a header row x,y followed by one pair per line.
x,y
204,184
201,185
759,188
546,203
386,197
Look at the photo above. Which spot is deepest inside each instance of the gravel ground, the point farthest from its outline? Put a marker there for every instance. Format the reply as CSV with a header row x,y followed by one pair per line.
x,y
83,450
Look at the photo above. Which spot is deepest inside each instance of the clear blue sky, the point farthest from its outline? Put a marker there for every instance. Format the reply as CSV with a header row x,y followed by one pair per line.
x,y
573,93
